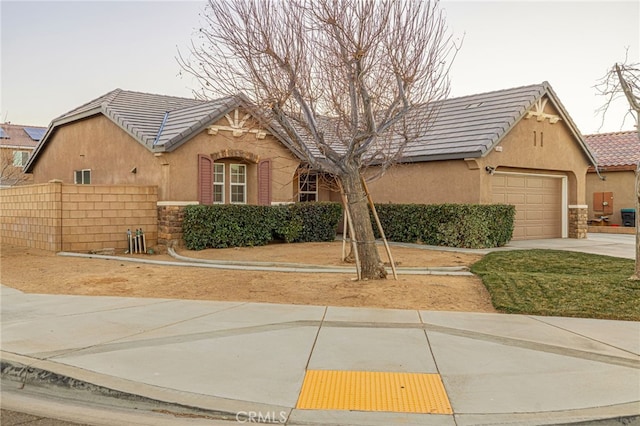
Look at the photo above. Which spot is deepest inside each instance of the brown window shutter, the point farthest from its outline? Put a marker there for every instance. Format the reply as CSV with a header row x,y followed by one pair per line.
x,y
264,182
205,179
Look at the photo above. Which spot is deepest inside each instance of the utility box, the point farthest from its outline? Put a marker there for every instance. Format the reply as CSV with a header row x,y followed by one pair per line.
x,y
628,217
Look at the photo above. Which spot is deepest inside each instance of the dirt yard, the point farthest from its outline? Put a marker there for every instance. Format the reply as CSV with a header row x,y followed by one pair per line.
x,y
37,271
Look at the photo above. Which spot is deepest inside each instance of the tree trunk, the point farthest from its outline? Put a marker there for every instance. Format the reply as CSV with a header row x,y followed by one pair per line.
x,y
371,266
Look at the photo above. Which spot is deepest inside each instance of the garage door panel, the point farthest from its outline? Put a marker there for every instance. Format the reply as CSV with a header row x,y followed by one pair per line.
x,y
516,199
516,182
532,232
534,199
553,183
534,183
533,215
550,198
538,202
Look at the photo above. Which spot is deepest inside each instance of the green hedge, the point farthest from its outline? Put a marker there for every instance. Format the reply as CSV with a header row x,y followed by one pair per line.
x,y
452,225
220,226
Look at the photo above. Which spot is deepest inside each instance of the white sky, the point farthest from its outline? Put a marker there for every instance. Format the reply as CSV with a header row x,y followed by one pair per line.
x,y
58,55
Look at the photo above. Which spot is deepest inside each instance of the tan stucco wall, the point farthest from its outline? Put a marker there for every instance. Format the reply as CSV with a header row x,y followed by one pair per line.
x,y
98,144
551,149
111,154
426,183
180,167
621,184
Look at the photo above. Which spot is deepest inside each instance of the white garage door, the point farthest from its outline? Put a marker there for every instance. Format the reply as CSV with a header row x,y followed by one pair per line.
x,y
538,201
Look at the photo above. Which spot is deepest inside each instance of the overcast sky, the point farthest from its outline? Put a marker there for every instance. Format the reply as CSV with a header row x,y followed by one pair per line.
x,y
57,55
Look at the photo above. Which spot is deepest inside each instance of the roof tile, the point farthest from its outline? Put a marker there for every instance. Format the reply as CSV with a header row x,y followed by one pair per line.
x,y
615,149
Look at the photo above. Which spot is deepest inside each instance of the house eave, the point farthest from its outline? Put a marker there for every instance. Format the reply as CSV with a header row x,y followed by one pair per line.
x,y
441,157
617,168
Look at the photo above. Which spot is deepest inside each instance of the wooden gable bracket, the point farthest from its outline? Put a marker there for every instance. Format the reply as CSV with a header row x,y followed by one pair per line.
x,y
540,114
236,126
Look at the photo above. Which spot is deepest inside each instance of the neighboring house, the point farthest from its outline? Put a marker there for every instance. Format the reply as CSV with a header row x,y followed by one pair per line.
x,y
516,146
17,142
618,155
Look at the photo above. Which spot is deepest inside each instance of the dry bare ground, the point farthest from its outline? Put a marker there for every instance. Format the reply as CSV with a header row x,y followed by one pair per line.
x,y
38,271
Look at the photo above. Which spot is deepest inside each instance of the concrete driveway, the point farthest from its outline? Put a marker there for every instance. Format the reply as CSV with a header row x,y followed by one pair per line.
x,y
616,245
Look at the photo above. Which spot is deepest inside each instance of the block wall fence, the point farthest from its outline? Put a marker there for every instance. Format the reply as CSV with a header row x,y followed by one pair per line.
x,y
81,218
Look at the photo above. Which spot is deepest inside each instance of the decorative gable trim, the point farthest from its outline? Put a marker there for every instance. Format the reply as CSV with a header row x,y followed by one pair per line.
x,y
538,112
237,126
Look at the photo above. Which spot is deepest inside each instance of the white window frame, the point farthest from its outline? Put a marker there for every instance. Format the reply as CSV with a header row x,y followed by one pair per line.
x,y
233,184
302,180
20,158
218,183
82,174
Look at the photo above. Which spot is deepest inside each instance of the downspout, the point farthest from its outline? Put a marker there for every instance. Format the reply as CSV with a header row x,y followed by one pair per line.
x,y
164,121
598,173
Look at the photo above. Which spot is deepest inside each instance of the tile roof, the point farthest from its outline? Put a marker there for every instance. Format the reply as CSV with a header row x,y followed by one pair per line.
x,y
466,127
159,122
142,114
615,149
471,126
20,136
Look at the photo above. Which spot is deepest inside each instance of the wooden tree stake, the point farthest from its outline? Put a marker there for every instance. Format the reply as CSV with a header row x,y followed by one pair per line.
x,y
384,238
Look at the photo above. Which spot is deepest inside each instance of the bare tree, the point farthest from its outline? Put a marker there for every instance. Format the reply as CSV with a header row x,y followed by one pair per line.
x,y
623,80
339,77
10,175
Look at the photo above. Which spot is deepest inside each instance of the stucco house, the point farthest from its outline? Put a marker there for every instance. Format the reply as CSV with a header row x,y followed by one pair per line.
x,y
516,146
17,142
612,187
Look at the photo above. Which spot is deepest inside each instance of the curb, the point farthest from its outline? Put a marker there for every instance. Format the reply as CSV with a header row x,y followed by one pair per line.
x,y
81,385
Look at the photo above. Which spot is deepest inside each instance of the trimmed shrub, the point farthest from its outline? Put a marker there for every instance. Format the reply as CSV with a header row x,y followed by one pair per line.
x,y
221,226
452,225
318,221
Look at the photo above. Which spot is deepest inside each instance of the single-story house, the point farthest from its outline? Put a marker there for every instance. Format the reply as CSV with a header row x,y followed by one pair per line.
x,y
17,142
516,146
611,188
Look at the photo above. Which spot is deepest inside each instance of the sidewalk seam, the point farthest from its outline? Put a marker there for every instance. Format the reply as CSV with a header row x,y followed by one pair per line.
x,y
585,336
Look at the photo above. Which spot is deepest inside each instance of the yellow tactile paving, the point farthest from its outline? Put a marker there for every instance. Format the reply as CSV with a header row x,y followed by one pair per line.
x,y
373,391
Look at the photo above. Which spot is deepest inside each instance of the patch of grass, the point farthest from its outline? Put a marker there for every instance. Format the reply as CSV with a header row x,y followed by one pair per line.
x,y
560,283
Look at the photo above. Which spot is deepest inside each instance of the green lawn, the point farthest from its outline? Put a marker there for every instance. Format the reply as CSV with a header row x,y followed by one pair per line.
x,y
560,283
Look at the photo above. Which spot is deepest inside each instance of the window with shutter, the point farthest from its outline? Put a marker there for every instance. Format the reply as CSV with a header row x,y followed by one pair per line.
x,y
205,179
264,182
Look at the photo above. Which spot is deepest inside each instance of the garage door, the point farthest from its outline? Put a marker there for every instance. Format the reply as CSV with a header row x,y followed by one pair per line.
x,y
538,201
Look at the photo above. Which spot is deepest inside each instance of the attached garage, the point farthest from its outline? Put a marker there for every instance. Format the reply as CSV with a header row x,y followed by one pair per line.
x,y
540,202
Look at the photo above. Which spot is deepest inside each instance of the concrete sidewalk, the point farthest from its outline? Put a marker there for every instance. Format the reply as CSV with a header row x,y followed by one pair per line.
x,y
238,360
